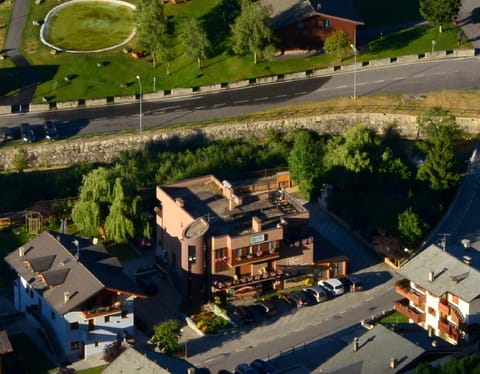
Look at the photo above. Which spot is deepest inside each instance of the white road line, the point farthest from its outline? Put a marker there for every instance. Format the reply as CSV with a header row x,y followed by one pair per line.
x,y
281,96
341,86
418,76
240,101
380,81
261,98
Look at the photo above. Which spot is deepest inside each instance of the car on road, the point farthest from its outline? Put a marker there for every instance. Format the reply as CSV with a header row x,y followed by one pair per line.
x,y
245,369
7,134
264,367
333,286
266,308
50,130
352,283
147,285
244,314
299,298
318,293
28,135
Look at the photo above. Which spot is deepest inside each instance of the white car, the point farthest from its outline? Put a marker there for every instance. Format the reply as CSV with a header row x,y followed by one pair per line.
x,y
317,292
332,285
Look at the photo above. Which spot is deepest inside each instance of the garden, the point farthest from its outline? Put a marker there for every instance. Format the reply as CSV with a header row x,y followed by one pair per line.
x,y
113,73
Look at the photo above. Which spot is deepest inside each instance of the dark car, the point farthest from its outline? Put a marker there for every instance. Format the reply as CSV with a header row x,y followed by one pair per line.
x,y
244,314
6,134
352,283
28,135
147,285
144,243
264,367
266,308
50,130
245,369
299,298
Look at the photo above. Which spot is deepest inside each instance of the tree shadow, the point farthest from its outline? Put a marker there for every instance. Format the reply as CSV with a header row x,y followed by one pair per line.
x,y
397,40
217,23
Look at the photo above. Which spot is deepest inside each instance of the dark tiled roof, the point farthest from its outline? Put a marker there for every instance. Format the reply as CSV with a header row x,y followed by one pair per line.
x,y
80,278
286,12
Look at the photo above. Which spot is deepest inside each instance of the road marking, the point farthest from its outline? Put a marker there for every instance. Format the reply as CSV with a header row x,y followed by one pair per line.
x,y
317,323
200,107
240,101
419,76
341,86
380,81
281,96
261,98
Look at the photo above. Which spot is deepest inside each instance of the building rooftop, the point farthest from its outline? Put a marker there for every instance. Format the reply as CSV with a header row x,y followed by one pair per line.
x,y
203,198
132,361
286,12
440,272
371,355
68,270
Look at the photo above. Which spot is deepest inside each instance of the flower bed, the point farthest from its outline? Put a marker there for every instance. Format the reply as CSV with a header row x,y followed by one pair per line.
x,y
209,323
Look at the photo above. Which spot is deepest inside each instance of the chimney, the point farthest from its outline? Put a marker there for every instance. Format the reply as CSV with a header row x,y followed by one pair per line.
x,y
431,276
21,251
355,344
393,363
179,202
66,297
256,224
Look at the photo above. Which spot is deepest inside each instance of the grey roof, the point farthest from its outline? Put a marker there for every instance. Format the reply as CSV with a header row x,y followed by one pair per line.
x,y
450,274
371,356
50,266
286,12
132,361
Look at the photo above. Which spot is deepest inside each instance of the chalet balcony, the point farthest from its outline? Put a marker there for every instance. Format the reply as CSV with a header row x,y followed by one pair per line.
x,y
402,307
102,311
410,294
451,331
248,280
256,257
443,308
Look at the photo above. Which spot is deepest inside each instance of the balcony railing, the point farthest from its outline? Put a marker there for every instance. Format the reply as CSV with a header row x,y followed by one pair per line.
x,y
451,331
256,257
402,307
410,294
102,311
443,308
248,280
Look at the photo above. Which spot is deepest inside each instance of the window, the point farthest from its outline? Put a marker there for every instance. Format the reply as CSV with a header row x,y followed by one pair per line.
x,y
74,346
106,319
96,344
250,250
124,313
239,252
432,311
192,255
326,23
454,299
74,326
221,259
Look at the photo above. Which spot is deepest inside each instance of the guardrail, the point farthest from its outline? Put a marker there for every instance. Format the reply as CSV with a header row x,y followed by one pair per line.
x,y
180,92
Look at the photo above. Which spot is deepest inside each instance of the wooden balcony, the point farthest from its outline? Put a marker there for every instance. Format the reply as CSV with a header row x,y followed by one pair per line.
x,y
251,259
410,294
451,331
102,311
443,308
402,307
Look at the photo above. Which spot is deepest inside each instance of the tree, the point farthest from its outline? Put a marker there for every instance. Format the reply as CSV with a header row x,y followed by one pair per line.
x,y
411,228
389,246
166,335
338,44
251,32
305,162
151,27
194,39
20,159
439,12
113,350
440,168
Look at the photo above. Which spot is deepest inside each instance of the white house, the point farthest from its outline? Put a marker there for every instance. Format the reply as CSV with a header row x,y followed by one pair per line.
x,y
74,292
441,293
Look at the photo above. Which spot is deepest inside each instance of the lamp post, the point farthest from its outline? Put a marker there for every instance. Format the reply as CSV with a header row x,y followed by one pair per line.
x,y
141,95
355,51
154,82
433,46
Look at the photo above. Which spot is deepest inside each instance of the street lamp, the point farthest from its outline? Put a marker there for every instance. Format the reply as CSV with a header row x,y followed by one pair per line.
x,y
433,45
141,94
355,51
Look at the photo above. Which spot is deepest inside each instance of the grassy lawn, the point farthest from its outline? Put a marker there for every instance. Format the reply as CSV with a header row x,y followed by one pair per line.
x,y
5,15
381,13
96,25
394,317
118,75
29,355
96,370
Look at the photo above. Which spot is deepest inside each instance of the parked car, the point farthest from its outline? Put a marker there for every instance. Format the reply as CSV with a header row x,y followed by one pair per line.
x,y
50,130
352,283
28,135
244,314
266,308
264,367
147,285
6,134
317,292
245,369
298,298
224,371
333,286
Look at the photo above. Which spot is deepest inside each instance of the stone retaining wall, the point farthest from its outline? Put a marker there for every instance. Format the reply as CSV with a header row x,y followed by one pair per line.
x,y
104,148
